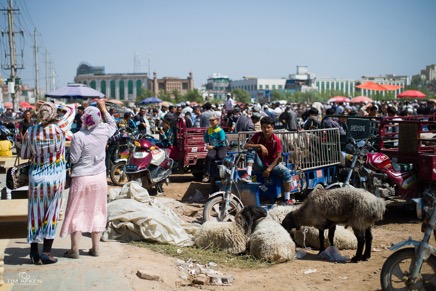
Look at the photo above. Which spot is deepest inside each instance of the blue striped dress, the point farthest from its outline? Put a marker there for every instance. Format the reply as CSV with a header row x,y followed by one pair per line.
x,y
45,146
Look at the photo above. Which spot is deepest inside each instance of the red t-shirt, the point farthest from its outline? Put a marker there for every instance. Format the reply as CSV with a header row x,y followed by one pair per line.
x,y
273,145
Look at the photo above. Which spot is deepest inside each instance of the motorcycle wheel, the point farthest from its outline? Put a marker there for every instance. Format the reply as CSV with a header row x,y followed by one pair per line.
x,y
118,174
394,274
213,207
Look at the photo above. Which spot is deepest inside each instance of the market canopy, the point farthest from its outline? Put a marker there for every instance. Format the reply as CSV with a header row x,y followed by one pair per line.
x,y
151,100
79,91
338,99
368,85
359,99
411,94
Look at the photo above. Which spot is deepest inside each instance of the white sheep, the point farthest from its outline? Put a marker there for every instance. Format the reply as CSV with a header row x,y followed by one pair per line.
x,y
232,236
270,241
308,237
349,206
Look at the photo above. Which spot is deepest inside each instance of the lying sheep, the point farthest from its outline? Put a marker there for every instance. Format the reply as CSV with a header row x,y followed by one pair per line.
x,y
231,237
271,242
324,209
308,237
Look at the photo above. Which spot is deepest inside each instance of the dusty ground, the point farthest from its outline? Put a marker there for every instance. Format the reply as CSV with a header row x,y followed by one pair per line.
x,y
398,225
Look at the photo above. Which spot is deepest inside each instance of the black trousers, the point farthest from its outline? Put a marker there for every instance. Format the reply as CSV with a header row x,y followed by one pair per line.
x,y
213,155
110,156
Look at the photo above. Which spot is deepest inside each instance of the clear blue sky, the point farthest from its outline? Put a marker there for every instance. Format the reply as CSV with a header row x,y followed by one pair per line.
x,y
267,39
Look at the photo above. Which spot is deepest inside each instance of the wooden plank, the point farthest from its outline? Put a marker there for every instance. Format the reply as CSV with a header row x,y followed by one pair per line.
x,y
13,210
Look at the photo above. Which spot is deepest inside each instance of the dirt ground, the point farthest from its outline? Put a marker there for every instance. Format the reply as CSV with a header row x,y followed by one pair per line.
x,y
398,225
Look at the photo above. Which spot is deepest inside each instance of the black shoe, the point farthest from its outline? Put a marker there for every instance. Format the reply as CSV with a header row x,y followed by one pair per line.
x,y
36,260
205,179
45,260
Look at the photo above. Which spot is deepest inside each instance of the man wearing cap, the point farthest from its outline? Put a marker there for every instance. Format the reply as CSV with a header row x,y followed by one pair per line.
x,y
215,138
229,102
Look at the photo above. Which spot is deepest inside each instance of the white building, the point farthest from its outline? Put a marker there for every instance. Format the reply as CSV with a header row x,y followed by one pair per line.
x,y
258,87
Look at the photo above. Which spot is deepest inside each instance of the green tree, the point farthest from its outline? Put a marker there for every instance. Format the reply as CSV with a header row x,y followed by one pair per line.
x,y
165,96
277,95
193,96
177,96
241,95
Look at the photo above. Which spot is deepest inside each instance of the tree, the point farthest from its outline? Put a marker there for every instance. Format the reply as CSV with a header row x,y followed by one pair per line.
x,y
193,96
241,95
277,95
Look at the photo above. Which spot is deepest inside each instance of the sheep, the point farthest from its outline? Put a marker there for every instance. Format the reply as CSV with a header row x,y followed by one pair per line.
x,y
344,239
353,207
271,242
232,236
308,237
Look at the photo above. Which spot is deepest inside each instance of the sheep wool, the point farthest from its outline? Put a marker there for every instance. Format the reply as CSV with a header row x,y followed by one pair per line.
x,y
348,206
344,239
278,213
271,242
227,236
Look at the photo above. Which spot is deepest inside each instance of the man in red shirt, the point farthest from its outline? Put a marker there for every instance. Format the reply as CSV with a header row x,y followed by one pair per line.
x,y
269,150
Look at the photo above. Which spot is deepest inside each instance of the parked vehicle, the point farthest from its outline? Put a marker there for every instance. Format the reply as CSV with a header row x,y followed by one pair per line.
x,y
413,268
311,156
403,165
148,164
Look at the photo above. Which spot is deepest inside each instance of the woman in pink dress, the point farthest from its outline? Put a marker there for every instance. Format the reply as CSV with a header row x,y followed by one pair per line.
x,y
44,145
87,202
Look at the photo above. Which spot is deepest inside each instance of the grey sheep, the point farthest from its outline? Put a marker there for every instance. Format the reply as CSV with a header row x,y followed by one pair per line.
x,y
349,206
232,236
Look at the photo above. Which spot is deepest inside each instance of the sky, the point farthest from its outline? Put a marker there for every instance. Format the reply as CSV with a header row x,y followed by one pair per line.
x,y
266,39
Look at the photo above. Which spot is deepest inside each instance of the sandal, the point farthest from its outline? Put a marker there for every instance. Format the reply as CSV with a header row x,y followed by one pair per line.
x,y
93,253
71,255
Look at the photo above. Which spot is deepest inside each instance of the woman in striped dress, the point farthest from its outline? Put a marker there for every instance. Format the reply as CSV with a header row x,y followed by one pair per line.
x,y
44,145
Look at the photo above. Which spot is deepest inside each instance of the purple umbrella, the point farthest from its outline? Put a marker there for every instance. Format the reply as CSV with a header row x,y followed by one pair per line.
x,y
151,100
75,91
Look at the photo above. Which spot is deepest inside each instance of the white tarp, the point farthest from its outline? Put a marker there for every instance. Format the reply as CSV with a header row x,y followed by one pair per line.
x,y
134,215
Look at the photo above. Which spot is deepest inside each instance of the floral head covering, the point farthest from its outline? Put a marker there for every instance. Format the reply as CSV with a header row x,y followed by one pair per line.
x,y
91,117
47,112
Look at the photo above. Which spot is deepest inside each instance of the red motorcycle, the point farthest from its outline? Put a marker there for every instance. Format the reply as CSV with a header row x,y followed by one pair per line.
x,y
378,174
149,165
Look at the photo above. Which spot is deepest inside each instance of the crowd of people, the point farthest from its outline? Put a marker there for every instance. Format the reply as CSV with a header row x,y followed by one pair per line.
x,y
96,134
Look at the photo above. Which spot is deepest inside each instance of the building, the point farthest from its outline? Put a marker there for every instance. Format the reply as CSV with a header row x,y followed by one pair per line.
x,y
429,73
120,86
302,81
171,84
217,86
258,88
325,85
127,86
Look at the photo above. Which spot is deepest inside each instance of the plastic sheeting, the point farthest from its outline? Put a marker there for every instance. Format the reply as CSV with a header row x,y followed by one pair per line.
x,y
134,215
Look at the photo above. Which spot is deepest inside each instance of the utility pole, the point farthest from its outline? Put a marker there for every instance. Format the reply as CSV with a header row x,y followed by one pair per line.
x,y
35,52
13,66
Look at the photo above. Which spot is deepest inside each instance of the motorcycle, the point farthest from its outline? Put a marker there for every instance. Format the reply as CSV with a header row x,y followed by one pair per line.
x,y
118,173
148,164
413,268
376,172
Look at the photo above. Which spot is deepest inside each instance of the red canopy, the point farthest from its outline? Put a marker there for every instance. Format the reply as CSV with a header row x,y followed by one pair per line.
x,y
24,104
368,85
411,94
7,105
359,99
338,99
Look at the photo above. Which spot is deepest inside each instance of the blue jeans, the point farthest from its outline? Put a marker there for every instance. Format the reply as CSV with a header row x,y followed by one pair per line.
x,y
259,166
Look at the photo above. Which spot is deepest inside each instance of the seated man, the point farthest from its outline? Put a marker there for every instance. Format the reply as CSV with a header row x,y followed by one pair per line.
x,y
166,133
215,137
269,151
126,123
